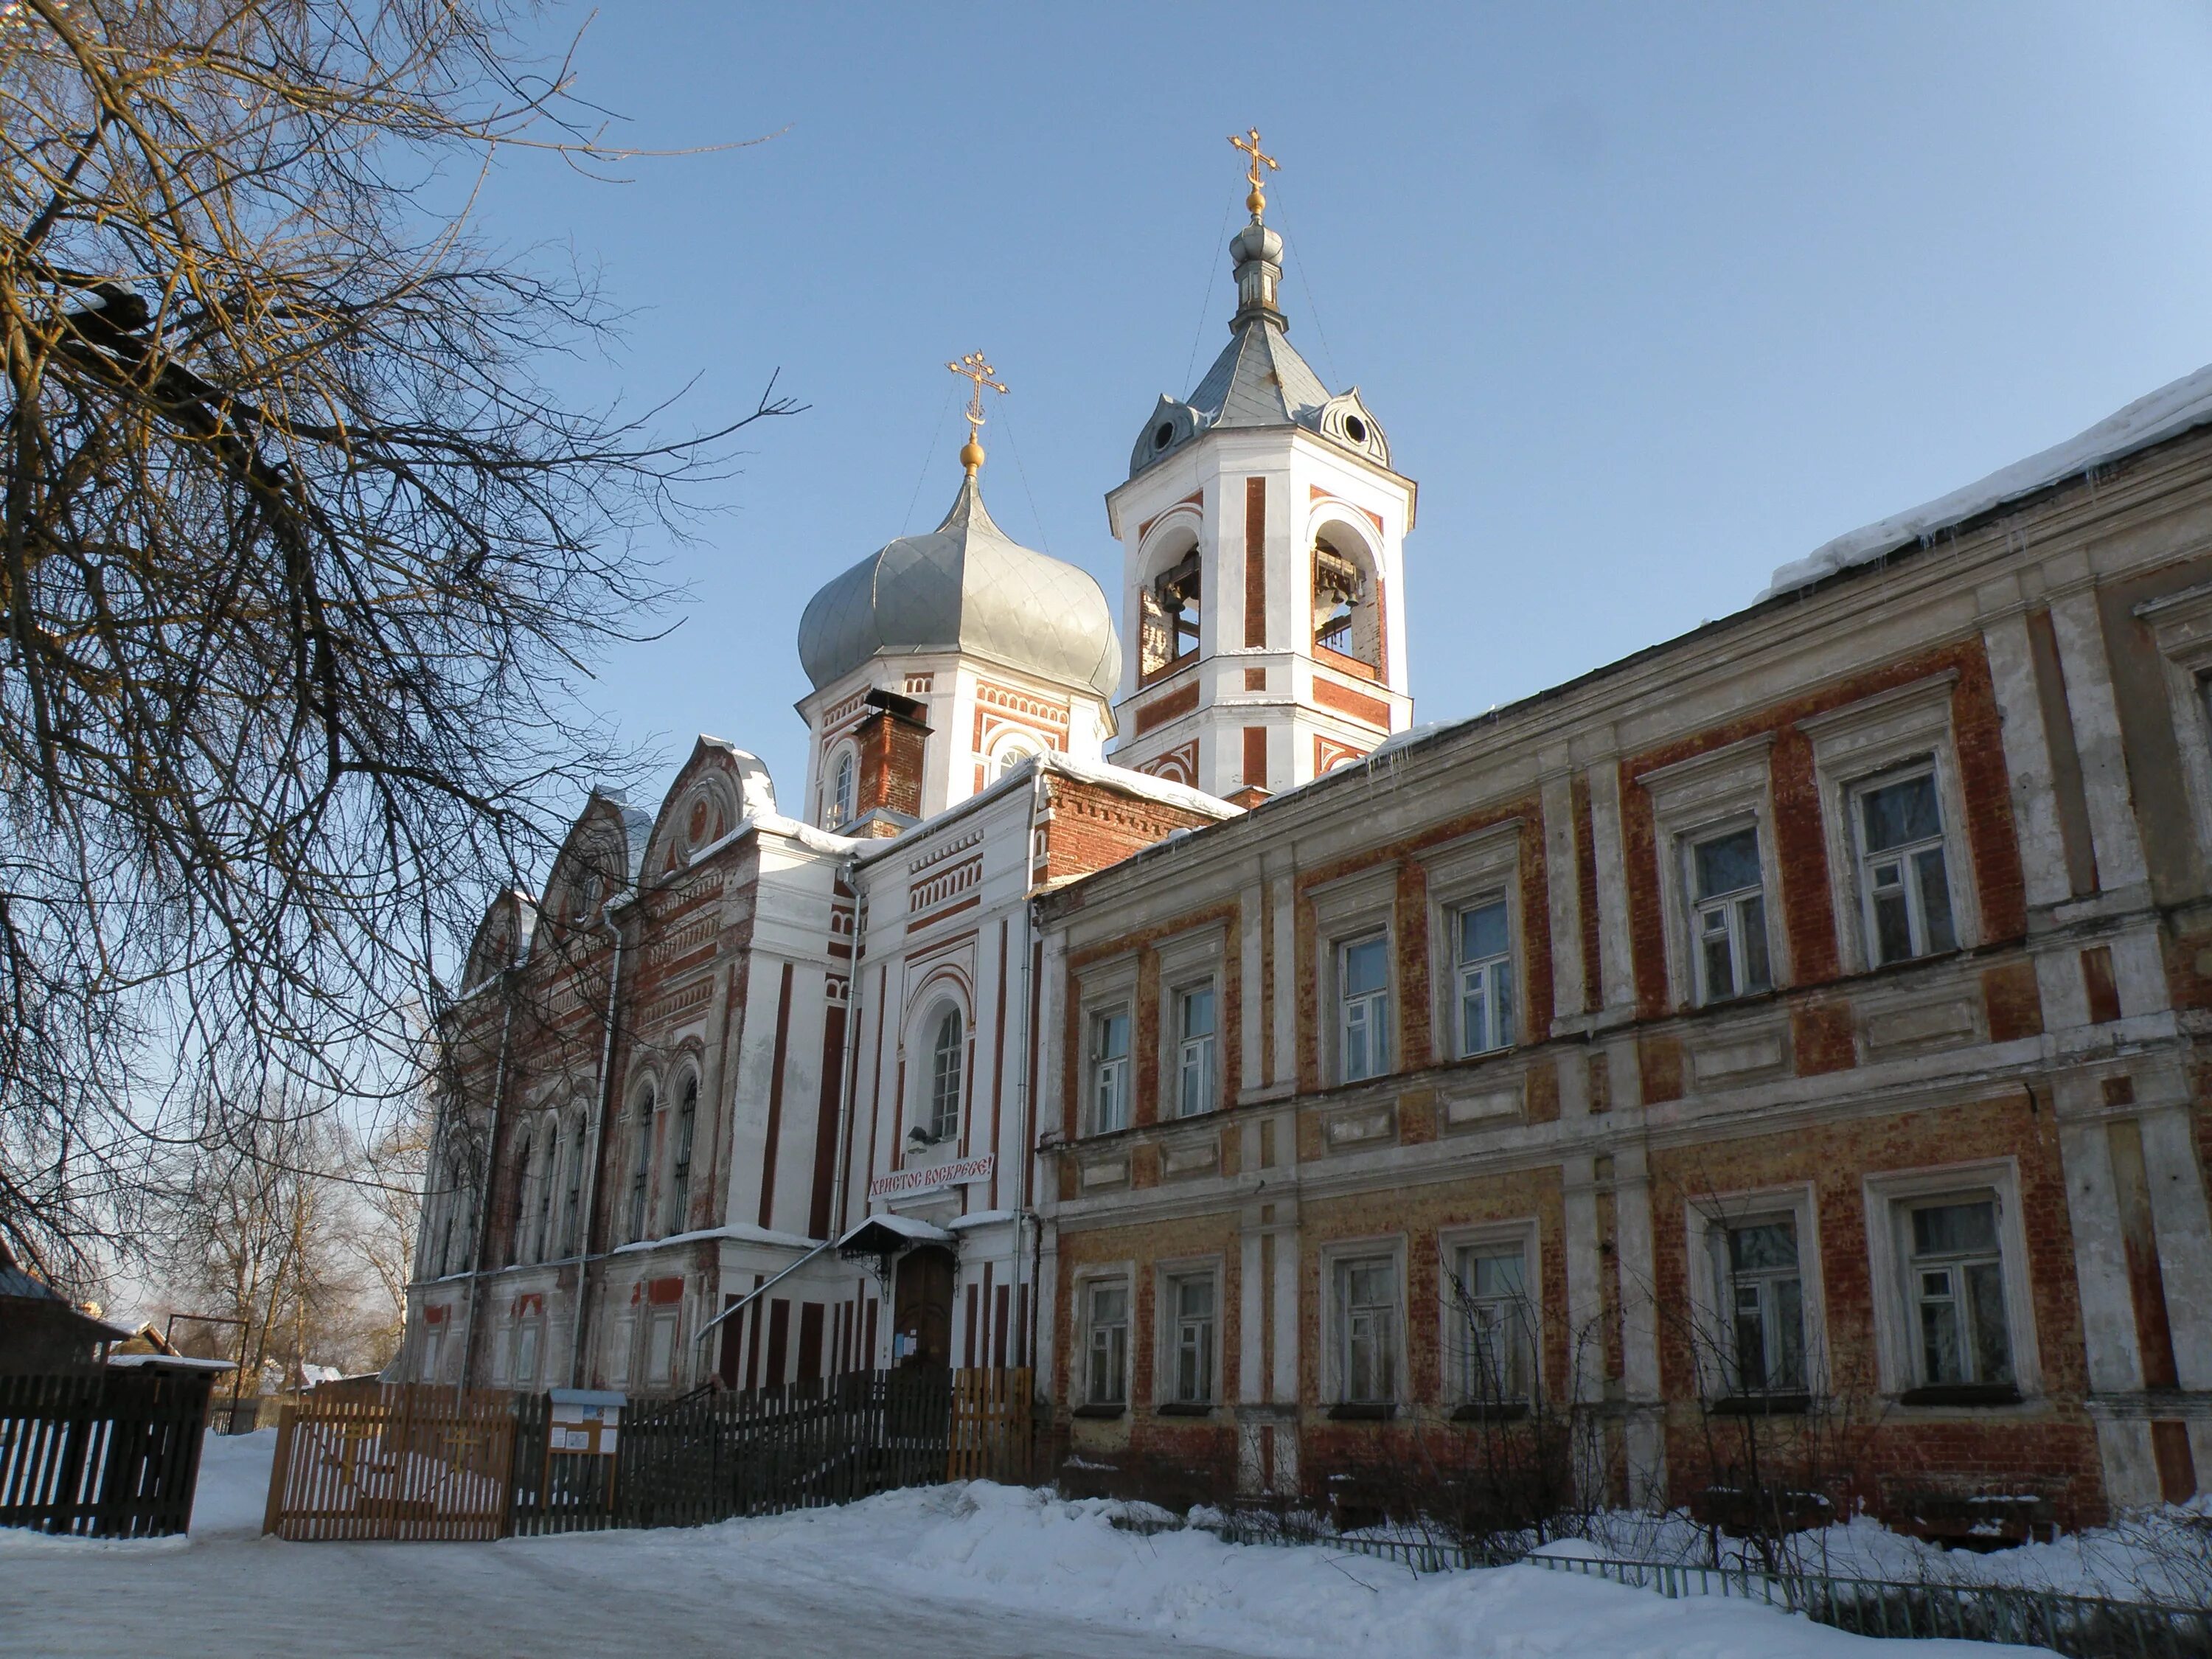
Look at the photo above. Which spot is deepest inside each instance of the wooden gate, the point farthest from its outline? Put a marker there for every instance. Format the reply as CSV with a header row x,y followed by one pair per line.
x,y
111,1454
392,1461
991,1433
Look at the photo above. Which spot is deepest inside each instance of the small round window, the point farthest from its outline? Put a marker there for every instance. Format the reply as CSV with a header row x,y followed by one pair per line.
x,y
1163,435
1355,428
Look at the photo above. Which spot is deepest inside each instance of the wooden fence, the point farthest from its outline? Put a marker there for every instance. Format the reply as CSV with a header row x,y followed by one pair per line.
x,y
392,1461
410,1462
109,1454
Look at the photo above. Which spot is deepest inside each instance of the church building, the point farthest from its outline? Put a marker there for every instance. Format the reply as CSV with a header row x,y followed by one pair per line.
x,y
1774,1062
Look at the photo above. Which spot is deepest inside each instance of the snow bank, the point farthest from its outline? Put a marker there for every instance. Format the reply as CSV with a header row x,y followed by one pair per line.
x,y
1012,1548
2165,413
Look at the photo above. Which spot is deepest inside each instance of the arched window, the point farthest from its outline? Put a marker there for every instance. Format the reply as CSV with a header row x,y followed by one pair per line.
x,y
1011,754
544,1245
844,788
1169,619
946,1054
571,1199
518,1202
640,1166
679,1168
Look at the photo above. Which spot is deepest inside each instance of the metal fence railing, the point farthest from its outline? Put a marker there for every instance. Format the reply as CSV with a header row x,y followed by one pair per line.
x,y
2079,1626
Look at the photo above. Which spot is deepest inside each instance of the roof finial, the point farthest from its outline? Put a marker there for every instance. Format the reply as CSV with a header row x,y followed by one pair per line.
x,y
975,368
1249,143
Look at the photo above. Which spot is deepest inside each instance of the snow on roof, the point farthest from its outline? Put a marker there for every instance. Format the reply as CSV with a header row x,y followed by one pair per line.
x,y
1142,784
913,1231
175,1362
741,1232
2165,413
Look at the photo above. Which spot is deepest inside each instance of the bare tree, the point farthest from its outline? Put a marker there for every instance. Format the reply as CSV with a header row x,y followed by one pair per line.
x,y
301,560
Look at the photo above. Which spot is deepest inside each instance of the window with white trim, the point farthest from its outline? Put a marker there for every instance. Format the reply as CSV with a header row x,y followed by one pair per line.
x,y
1366,1333
844,788
1760,1293
1110,1070
1363,1002
1106,1342
1727,914
1492,1319
680,1166
1903,870
1954,1260
1194,1069
641,1177
543,1245
1188,1303
1482,962
526,1332
572,1209
947,1058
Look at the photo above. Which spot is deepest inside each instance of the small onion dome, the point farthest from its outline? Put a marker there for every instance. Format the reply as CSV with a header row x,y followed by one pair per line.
x,y
965,586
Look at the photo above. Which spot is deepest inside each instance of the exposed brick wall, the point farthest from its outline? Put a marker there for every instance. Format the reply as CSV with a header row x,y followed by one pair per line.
x,y
1412,1044
1801,851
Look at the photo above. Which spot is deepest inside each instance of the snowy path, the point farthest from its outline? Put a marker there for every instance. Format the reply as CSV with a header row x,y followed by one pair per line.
x,y
988,1571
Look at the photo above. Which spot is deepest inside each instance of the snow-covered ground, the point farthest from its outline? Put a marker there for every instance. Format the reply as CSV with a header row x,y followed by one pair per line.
x,y
976,1569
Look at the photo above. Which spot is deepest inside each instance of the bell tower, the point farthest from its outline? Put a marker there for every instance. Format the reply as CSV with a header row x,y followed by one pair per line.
x,y
1262,533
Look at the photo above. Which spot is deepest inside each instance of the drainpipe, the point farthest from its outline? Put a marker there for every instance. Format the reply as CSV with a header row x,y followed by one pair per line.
x,y
483,1196
848,1064
1022,1103
599,1137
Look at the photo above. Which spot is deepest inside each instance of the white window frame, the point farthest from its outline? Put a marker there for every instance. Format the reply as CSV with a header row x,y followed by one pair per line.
x,y
1170,1277
1371,1011
1712,1317
1087,1286
1524,1235
637,1201
1102,1072
937,1116
1864,743
1906,857
1887,1198
1103,988
838,811
1729,907
682,1148
1198,1057
1348,911
1337,1348
1189,963
1479,869
2181,623
1694,801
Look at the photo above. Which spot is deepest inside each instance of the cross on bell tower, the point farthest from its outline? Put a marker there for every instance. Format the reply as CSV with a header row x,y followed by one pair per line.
x,y
975,368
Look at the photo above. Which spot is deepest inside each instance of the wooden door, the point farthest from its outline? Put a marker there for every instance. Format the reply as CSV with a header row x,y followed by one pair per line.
x,y
922,1310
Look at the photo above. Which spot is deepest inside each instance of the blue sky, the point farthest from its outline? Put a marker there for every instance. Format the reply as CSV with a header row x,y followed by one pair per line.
x,y
1650,299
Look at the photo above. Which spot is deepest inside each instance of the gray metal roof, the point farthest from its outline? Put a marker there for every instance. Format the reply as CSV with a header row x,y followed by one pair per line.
x,y
968,586
1258,379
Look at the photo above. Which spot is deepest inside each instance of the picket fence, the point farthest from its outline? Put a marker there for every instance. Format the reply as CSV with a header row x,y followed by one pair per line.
x,y
106,1454
419,1462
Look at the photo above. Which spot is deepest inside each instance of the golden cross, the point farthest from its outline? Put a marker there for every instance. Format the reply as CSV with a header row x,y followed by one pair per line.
x,y
973,366
1249,143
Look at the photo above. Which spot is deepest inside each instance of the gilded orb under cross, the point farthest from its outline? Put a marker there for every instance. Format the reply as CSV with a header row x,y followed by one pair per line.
x,y
1249,143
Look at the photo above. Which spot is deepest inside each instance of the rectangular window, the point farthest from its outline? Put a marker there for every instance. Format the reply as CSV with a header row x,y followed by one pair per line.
x,y
1363,993
1955,1268
1109,1071
1195,1050
525,1354
1106,1370
1728,915
1367,1329
1902,873
1493,1322
1762,1301
1484,964
1190,1306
